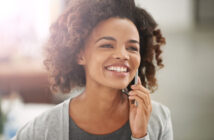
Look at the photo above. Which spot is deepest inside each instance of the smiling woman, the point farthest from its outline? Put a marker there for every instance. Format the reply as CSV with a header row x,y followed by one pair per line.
x,y
100,45
72,28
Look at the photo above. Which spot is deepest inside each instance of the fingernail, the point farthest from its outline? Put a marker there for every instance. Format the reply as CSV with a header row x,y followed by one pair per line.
x,y
130,93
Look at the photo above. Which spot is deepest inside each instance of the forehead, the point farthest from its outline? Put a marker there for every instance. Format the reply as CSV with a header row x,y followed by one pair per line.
x,y
116,27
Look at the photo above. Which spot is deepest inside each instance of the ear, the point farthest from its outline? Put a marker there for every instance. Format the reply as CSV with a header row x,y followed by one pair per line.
x,y
81,58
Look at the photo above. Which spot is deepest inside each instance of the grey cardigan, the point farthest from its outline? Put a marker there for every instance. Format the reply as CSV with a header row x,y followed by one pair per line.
x,y
54,125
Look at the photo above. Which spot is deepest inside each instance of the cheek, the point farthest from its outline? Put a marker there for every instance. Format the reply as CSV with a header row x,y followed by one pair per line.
x,y
136,61
94,65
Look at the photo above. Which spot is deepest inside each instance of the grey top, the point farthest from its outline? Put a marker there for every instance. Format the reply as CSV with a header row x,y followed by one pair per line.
x,y
54,125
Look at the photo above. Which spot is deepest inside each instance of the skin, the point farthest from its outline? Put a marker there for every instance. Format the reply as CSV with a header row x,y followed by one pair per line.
x,y
112,41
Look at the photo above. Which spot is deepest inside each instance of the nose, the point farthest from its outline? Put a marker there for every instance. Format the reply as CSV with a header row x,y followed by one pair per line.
x,y
121,53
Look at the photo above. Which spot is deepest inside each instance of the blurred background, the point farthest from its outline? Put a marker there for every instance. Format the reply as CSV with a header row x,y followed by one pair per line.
x,y
185,83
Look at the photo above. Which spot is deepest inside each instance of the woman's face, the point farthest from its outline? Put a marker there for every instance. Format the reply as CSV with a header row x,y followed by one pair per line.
x,y
111,55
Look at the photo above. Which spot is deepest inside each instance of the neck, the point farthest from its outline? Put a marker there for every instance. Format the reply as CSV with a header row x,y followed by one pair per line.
x,y
102,100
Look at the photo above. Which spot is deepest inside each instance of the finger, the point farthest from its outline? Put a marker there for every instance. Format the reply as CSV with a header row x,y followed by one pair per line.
x,y
143,96
139,99
140,102
142,91
141,88
133,101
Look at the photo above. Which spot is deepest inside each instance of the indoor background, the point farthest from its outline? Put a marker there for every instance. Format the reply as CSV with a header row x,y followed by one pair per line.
x,y
185,83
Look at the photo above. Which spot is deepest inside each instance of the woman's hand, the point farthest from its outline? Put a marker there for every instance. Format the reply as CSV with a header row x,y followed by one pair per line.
x,y
139,115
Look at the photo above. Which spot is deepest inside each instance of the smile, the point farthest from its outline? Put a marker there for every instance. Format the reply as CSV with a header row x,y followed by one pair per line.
x,y
117,68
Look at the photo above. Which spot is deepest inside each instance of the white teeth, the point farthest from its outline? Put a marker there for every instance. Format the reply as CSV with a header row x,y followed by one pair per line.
x,y
117,69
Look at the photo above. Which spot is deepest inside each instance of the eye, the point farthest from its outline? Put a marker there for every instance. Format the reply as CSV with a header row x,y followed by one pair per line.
x,y
107,46
133,48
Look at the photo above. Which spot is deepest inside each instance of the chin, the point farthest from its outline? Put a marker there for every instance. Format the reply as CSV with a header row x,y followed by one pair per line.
x,y
120,87
117,84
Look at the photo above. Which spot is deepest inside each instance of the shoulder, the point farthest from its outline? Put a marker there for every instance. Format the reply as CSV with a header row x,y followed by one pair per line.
x,y
159,119
39,128
159,110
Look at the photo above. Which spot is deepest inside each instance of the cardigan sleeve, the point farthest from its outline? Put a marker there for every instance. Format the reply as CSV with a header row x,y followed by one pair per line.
x,y
143,138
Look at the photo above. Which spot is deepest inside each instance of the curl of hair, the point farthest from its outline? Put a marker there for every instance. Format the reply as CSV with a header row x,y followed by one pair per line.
x,y
71,29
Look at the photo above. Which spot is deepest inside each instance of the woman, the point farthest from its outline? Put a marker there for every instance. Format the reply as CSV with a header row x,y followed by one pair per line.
x,y
100,45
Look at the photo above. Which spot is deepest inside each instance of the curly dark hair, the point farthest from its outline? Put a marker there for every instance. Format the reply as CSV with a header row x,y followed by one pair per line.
x,y
70,31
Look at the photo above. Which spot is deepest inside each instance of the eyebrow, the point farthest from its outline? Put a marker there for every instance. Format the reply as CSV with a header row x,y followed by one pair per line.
x,y
107,38
134,41
113,39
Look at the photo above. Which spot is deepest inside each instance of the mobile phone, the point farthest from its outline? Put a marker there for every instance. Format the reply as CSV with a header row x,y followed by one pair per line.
x,y
136,78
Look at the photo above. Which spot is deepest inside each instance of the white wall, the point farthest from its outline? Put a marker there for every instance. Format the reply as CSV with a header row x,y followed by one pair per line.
x,y
173,14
